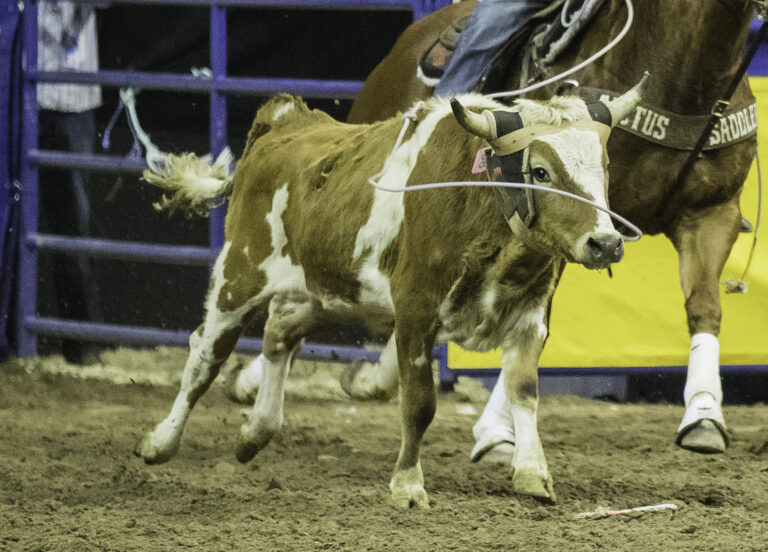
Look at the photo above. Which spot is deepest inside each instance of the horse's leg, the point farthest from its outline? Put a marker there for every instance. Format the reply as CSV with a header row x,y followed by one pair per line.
x,y
415,338
365,380
495,430
210,345
703,241
291,316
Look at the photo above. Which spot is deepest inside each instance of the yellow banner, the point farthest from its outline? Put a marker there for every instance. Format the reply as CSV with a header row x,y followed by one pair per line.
x,y
637,318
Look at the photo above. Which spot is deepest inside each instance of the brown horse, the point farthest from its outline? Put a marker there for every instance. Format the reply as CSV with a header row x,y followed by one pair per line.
x,y
692,49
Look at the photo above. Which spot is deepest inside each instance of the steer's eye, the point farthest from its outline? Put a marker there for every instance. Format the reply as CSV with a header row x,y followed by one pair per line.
x,y
540,174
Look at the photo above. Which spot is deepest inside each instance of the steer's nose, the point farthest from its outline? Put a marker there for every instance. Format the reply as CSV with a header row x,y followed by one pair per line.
x,y
605,248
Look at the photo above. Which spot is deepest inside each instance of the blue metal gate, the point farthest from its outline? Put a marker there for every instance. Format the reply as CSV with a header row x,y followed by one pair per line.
x,y
28,324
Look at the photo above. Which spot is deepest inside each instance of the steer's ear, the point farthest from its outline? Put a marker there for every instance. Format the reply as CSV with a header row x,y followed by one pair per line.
x,y
482,124
613,111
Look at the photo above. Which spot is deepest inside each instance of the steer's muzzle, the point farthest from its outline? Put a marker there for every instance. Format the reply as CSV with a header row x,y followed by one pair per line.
x,y
604,249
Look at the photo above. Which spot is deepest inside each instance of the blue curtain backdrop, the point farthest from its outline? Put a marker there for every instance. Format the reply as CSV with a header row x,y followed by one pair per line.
x,y
10,108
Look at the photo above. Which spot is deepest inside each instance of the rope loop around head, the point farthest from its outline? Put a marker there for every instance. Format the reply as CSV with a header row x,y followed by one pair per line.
x,y
637,233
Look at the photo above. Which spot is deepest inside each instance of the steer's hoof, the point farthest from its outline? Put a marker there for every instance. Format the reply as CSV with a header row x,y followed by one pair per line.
x,y
245,450
154,452
704,436
347,377
407,488
252,440
534,484
230,386
411,498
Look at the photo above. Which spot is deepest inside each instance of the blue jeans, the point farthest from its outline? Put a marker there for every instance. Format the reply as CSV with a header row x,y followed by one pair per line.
x,y
491,25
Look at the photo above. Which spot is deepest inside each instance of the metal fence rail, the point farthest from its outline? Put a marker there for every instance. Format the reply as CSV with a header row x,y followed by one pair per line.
x,y
218,86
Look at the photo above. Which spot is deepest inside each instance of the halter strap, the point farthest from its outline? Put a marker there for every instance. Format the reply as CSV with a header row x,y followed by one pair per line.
x,y
520,139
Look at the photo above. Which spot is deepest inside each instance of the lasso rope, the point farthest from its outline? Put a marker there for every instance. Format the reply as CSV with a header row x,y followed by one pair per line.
x,y
740,286
410,116
600,53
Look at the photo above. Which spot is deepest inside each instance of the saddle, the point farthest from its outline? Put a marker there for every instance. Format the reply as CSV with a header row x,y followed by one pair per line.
x,y
536,45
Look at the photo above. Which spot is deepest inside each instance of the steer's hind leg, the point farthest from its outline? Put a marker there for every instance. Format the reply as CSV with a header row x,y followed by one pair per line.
x,y
291,316
365,380
704,240
210,345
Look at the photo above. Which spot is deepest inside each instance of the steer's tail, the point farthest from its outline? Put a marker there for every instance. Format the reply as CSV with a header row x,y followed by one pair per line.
x,y
195,185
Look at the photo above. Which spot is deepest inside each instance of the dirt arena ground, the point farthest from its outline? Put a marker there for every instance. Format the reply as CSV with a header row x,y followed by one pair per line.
x,y
69,481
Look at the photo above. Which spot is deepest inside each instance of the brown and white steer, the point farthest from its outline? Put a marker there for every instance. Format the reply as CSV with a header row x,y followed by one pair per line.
x,y
308,237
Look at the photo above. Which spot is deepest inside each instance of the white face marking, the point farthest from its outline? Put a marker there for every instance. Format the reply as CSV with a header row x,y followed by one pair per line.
x,y
581,154
281,273
421,361
282,110
387,212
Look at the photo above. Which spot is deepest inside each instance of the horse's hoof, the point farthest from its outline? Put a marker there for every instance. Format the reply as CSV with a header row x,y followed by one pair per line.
x,y
705,437
533,484
230,386
347,377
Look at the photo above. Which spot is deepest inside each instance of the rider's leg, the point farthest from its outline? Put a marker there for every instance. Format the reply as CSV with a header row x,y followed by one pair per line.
x,y
490,26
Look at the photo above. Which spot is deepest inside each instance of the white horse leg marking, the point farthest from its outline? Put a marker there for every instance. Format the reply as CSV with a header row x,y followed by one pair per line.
x,y
495,430
703,426
703,369
379,380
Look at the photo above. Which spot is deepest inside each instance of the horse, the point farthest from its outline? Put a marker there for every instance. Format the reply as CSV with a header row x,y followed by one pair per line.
x,y
692,50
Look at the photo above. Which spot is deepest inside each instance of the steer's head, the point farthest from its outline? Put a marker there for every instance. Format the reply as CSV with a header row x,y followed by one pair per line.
x,y
560,143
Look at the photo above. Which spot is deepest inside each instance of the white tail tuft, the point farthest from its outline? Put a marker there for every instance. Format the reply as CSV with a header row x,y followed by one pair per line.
x,y
196,184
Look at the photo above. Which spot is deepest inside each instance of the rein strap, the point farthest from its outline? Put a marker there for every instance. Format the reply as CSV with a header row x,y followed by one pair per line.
x,y
719,108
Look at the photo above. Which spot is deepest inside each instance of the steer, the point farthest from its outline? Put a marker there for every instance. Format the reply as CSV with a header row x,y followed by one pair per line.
x,y
310,239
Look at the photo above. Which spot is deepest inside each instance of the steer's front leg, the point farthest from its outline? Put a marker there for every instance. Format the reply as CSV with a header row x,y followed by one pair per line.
x,y
418,398
520,363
